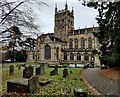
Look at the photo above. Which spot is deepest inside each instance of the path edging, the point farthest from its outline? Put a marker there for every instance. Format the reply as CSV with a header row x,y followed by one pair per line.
x,y
90,88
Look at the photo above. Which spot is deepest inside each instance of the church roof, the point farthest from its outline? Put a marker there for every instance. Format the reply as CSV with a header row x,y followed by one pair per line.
x,y
52,37
84,30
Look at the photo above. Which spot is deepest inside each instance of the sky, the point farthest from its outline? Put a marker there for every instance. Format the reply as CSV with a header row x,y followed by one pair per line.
x,y
83,16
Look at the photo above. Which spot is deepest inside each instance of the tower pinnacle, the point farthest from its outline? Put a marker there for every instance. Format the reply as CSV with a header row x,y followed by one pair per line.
x,y
72,10
66,6
55,8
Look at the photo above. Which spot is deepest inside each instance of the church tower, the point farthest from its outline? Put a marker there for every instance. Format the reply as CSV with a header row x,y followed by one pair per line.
x,y
64,22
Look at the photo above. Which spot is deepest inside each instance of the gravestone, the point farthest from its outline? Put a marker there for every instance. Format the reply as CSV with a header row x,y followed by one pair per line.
x,y
38,71
79,93
28,72
71,72
55,71
44,82
33,84
52,72
11,71
19,67
65,72
23,85
42,69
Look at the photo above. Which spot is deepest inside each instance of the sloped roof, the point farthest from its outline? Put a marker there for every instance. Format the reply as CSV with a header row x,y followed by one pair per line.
x,y
83,30
52,37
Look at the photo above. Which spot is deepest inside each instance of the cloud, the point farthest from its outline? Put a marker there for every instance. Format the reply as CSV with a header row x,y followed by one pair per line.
x,y
83,16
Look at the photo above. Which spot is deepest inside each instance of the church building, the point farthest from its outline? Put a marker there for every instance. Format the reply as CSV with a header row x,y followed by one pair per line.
x,y
66,45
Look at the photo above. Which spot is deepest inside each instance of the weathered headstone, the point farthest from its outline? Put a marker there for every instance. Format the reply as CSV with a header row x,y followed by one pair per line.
x,y
71,72
79,93
23,85
11,71
65,72
18,85
33,84
42,69
19,67
38,71
28,72
44,82
55,71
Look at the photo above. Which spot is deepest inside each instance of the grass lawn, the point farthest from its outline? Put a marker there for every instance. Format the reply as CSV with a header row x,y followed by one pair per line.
x,y
58,86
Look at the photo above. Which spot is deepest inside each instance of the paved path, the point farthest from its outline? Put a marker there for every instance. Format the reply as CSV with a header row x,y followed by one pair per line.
x,y
101,83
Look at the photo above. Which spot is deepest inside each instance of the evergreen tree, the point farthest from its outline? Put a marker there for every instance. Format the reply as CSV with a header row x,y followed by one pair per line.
x,y
109,31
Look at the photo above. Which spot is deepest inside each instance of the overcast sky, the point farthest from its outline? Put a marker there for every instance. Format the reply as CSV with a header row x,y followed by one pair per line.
x,y
83,16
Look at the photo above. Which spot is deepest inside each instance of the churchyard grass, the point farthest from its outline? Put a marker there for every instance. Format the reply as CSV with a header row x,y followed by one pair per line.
x,y
58,85
6,77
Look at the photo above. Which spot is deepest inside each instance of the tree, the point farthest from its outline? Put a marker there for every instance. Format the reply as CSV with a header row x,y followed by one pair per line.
x,y
16,21
18,13
109,33
30,43
16,56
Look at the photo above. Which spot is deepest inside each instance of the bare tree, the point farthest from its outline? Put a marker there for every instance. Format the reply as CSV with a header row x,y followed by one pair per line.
x,y
19,14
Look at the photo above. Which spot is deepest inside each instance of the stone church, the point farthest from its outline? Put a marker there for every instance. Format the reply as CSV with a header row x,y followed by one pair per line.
x,y
66,45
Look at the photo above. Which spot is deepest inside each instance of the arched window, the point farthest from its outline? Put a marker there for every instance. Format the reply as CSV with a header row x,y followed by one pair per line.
x,y
47,52
65,56
76,43
89,42
82,43
33,55
86,57
57,53
71,56
78,56
70,43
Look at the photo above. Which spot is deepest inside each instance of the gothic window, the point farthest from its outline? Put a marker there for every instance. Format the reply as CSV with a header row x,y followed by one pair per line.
x,y
70,43
82,43
71,56
86,57
33,56
89,42
58,21
68,21
38,56
78,56
57,53
76,43
47,52
65,56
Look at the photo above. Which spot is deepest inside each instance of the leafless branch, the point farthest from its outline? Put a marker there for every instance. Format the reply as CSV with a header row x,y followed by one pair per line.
x,y
11,11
